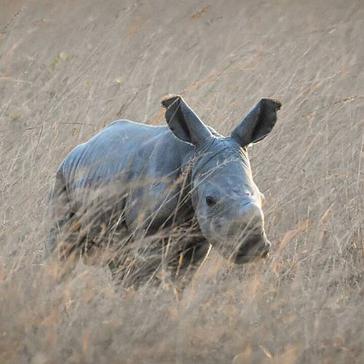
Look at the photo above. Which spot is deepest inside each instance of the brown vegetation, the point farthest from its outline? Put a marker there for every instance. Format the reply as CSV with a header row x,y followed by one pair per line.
x,y
67,68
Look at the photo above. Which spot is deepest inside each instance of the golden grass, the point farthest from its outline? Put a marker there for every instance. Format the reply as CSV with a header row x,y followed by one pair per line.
x,y
301,305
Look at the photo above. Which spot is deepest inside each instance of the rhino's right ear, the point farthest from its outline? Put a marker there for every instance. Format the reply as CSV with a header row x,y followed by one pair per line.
x,y
183,122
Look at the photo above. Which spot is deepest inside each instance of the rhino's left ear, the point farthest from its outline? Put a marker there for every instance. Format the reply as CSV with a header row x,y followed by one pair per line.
x,y
183,122
258,123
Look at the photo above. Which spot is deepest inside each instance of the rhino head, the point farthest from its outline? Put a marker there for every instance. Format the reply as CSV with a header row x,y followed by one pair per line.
x,y
226,201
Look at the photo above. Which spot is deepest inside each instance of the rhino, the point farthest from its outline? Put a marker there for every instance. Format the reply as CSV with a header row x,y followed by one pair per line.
x,y
144,179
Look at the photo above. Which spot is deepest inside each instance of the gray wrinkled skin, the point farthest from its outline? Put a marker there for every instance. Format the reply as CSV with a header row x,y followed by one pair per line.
x,y
152,177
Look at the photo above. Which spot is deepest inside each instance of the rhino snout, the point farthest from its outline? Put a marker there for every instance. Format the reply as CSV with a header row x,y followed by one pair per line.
x,y
247,221
254,241
239,235
255,247
251,215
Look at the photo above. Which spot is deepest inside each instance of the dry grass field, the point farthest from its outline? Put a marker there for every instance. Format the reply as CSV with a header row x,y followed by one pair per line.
x,y
67,68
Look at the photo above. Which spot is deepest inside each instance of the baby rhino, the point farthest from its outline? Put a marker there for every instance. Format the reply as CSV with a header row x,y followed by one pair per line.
x,y
150,181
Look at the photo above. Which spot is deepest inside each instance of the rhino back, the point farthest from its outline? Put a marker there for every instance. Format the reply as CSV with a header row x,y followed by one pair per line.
x,y
123,152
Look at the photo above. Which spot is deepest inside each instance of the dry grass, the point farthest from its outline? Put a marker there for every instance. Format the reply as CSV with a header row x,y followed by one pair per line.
x,y
66,69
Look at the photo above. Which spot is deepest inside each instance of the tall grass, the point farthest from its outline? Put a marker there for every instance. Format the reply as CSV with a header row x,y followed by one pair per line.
x,y
67,69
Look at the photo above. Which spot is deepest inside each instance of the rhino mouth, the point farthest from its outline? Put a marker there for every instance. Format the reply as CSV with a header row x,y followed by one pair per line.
x,y
255,247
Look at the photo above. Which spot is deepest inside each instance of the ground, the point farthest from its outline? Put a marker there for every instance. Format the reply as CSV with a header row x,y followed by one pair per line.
x,y
68,68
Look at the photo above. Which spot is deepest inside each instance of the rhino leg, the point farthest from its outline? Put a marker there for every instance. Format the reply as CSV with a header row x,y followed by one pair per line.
x,y
190,258
60,213
153,262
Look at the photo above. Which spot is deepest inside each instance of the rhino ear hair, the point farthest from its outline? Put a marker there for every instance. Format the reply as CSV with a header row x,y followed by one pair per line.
x,y
183,122
258,123
168,100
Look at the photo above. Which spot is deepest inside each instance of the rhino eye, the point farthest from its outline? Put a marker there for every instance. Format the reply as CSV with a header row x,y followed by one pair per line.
x,y
210,201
